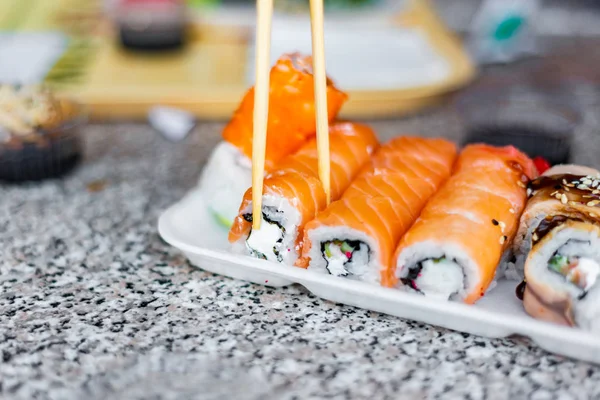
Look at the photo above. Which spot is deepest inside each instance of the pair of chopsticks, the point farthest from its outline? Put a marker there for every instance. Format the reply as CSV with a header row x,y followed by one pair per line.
x,y
261,100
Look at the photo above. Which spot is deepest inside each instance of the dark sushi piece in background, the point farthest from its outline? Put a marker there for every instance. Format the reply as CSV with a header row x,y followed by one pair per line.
x,y
151,25
39,135
539,121
541,124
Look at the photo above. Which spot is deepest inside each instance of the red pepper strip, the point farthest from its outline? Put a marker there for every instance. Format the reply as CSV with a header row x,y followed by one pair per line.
x,y
541,164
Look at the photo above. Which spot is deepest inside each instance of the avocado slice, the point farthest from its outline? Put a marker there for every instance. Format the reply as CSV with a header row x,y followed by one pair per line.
x,y
221,220
558,262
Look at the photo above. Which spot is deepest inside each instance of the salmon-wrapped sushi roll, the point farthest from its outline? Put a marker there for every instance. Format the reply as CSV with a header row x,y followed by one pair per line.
x,y
355,237
293,194
559,235
291,123
453,249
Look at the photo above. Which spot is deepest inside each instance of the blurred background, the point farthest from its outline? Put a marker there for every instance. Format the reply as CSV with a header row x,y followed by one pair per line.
x,y
510,71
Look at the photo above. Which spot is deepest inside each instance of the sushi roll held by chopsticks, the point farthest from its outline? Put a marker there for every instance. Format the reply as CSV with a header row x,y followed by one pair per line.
x,y
560,237
293,194
275,118
291,123
275,209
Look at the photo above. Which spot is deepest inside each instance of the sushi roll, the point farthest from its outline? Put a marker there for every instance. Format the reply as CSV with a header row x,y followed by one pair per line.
x,y
355,237
293,194
560,237
224,179
454,247
291,123
545,211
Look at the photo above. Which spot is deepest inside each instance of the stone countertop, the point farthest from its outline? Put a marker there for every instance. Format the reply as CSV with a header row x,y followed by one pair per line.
x,y
93,304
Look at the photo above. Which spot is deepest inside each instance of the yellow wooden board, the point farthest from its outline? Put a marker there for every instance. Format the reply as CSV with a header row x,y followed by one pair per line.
x,y
208,77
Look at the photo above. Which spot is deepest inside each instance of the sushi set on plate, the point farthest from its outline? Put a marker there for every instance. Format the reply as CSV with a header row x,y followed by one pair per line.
x,y
481,239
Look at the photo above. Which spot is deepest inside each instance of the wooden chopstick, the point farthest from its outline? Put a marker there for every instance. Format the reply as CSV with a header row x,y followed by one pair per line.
x,y
261,105
320,78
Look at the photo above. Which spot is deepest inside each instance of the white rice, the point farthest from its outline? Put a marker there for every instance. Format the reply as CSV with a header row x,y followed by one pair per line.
x,y
514,270
440,280
279,210
436,280
507,268
365,264
587,312
570,242
224,180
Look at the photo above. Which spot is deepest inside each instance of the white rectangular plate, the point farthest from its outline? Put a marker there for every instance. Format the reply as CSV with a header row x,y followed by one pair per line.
x,y
187,226
403,59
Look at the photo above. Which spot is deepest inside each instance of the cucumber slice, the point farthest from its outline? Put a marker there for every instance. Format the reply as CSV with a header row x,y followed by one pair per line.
x,y
558,262
221,220
346,248
327,249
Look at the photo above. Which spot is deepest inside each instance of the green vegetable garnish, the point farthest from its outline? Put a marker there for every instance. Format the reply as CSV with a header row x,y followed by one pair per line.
x,y
343,246
327,250
346,248
221,220
439,260
558,262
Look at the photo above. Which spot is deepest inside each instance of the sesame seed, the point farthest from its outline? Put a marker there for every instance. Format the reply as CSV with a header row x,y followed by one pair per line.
x,y
553,193
570,185
582,187
567,189
512,211
587,181
596,192
563,198
494,222
535,237
529,192
503,239
595,184
558,196
521,184
593,215
593,203
502,226
564,181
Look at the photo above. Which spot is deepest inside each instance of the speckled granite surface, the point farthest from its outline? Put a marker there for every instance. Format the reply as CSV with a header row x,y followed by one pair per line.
x,y
93,305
